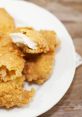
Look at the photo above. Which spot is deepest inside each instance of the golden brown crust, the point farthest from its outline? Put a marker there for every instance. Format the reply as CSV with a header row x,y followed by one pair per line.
x,y
51,38
6,22
10,56
12,94
39,68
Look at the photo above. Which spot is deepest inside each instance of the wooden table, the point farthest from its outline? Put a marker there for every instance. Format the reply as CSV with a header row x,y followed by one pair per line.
x,y
70,13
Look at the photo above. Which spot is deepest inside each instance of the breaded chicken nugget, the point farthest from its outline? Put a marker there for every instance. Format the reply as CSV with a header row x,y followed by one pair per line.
x,y
39,67
43,38
10,57
11,61
12,94
6,22
36,37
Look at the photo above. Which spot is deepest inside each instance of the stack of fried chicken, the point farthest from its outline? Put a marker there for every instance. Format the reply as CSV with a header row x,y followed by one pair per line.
x,y
19,63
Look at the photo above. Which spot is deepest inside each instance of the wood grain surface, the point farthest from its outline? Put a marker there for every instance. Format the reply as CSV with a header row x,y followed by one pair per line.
x,y
70,13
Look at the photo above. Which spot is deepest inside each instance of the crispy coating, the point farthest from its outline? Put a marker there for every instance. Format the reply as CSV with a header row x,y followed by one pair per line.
x,y
39,67
36,37
4,40
10,56
12,94
51,38
11,61
6,22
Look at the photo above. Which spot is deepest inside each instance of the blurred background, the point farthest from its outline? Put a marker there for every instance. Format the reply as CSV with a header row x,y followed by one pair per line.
x,y
70,13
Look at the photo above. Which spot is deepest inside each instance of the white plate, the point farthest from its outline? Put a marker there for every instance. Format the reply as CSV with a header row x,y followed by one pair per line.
x,y
28,14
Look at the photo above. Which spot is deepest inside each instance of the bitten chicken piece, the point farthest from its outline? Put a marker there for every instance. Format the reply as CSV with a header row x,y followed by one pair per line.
x,y
6,22
36,37
45,40
12,94
39,66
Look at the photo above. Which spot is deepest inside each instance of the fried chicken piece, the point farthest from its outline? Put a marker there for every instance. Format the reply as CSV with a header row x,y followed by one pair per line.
x,y
39,67
42,38
11,61
10,57
6,22
12,94
36,37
